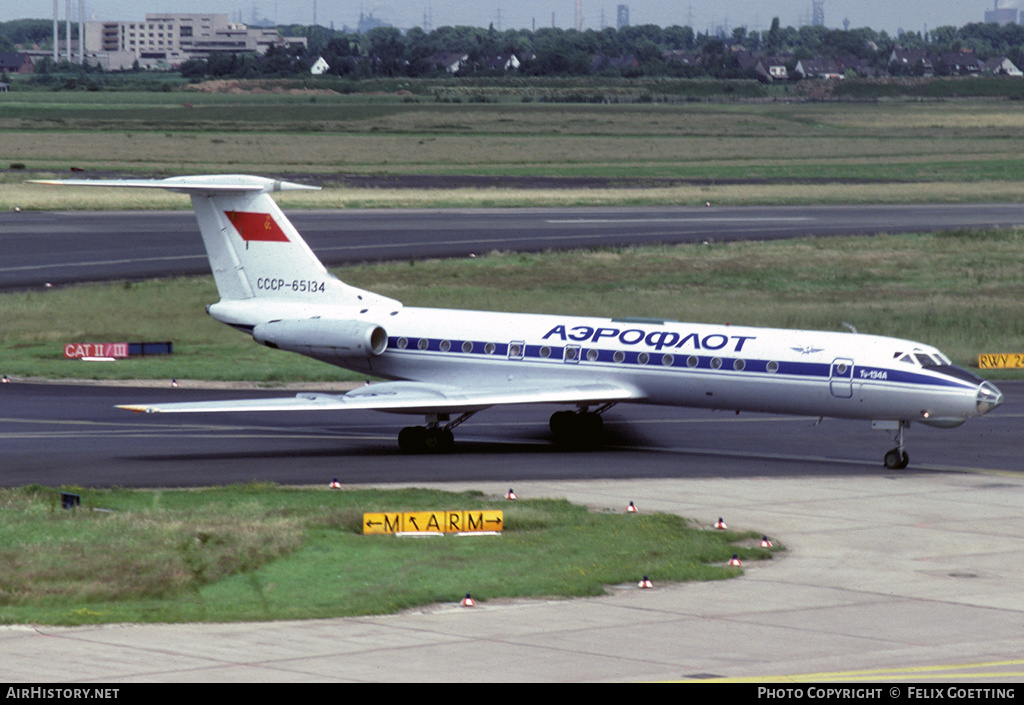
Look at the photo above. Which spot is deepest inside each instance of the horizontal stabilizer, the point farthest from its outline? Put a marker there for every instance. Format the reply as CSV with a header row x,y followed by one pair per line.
x,y
214,183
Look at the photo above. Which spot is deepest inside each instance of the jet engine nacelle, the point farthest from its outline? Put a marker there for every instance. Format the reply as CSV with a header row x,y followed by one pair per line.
x,y
344,338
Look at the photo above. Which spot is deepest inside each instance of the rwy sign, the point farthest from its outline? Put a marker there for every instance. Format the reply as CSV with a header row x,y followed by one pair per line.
x,y
988,361
441,522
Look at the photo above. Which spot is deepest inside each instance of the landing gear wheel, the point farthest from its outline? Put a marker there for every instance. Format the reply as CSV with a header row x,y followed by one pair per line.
x,y
896,459
577,430
439,440
412,439
419,439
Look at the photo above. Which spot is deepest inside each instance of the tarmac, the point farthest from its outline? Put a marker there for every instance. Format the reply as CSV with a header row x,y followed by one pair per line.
x,y
897,577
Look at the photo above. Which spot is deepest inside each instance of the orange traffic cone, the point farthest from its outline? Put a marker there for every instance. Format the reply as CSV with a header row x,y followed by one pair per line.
x,y
735,560
765,543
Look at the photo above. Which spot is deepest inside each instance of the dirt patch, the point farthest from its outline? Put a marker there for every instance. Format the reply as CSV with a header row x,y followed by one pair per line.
x,y
235,87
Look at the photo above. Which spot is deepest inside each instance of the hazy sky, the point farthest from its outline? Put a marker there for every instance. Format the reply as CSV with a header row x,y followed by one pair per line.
x,y
911,15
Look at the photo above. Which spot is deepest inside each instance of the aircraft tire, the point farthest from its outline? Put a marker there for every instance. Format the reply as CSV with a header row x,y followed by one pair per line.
x,y
419,439
896,459
439,440
412,439
576,430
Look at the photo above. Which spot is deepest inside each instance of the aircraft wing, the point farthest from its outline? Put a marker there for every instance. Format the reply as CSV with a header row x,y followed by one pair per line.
x,y
408,397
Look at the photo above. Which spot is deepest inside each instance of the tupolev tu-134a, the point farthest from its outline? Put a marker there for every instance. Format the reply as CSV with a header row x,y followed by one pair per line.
x,y
447,365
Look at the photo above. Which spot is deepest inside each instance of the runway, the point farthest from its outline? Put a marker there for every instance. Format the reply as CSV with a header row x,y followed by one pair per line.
x,y
67,247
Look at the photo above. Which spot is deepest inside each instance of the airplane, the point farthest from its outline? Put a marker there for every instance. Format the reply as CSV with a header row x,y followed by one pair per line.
x,y
448,365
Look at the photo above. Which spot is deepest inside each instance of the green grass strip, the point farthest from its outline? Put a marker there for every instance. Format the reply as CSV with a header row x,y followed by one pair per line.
x,y
263,552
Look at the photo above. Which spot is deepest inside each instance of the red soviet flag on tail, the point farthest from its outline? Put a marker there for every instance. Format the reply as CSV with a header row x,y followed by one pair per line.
x,y
256,227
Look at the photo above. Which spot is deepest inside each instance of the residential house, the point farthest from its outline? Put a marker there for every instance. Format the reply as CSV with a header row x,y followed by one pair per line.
x,y
861,67
771,68
319,67
503,62
912,61
959,63
452,63
818,67
1002,66
16,62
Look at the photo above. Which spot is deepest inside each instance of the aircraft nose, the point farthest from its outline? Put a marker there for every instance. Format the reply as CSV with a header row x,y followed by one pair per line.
x,y
989,397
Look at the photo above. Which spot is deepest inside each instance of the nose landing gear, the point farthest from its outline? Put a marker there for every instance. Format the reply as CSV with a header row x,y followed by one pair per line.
x,y
897,458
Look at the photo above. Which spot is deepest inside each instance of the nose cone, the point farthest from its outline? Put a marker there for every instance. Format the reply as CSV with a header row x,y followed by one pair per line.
x,y
989,397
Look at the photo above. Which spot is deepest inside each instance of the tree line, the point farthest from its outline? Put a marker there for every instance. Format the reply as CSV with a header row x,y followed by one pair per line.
x,y
651,50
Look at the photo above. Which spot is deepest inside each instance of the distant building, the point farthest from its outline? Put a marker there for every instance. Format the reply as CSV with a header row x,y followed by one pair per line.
x,y
16,62
1000,65
1001,15
452,63
319,67
818,13
621,16
166,40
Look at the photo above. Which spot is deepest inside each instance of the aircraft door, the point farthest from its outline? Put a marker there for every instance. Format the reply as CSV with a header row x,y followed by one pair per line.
x,y
841,378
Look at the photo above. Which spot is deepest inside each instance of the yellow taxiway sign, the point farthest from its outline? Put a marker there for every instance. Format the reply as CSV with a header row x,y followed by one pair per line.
x,y
441,522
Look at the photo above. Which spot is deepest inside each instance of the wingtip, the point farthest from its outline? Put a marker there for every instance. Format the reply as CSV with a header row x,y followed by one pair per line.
x,y
137,408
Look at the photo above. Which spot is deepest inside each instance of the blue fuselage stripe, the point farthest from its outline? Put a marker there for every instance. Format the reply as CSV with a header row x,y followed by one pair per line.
x,y
642,359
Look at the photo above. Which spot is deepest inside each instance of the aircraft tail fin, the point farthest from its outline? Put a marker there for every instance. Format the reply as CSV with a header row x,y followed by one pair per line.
x,y
254,250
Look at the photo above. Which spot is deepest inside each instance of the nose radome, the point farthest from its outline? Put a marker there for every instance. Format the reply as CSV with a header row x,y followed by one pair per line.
x,y
989,397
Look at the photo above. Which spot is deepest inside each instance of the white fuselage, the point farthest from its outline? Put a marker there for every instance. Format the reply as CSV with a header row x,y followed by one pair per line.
x,y
739,368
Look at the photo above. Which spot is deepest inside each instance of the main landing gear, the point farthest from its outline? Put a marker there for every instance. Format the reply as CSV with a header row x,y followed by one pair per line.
x,y
897,458
578,429
432,438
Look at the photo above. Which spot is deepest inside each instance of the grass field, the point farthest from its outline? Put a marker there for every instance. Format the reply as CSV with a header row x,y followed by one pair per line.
x,y
961,291
892,151
266,552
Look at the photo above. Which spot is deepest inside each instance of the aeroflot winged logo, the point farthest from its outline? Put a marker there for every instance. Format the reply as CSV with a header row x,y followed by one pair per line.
x,y
256,227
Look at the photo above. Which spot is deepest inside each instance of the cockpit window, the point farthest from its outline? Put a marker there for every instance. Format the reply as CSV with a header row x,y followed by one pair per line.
x,y
936,362
922,359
